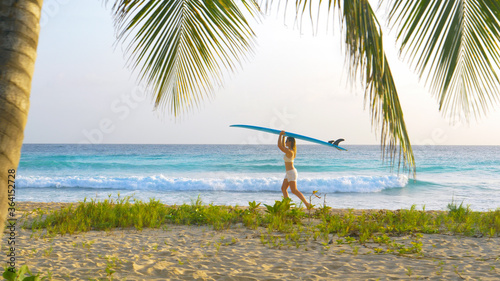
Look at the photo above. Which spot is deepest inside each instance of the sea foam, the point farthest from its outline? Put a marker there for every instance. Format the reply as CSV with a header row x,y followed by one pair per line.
x,y
365,184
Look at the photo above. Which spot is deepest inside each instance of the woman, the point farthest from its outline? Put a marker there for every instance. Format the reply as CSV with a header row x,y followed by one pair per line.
x,y
290,180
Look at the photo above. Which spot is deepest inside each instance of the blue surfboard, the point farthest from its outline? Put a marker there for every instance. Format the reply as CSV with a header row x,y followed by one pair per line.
x,y
293,135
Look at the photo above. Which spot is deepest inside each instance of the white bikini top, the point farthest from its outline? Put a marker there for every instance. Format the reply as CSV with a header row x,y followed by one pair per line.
x,y
290,160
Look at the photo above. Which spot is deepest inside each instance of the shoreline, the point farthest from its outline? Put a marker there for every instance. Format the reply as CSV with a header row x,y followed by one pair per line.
x,y
198,252
31,205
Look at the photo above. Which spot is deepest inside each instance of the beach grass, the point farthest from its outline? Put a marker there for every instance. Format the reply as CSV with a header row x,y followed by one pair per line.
x,y
283,216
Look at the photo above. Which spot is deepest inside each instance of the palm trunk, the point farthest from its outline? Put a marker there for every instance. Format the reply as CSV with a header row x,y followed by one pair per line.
x,y
19,29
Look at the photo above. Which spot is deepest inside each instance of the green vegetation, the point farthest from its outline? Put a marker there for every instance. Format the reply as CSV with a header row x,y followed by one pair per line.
x,y
23,274
284,217
102,215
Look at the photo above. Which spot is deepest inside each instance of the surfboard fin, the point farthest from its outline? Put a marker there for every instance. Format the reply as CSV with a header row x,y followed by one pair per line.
x,y
336,142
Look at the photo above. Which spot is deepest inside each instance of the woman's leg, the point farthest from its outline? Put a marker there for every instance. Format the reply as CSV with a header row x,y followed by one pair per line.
x,y
284,188
293,188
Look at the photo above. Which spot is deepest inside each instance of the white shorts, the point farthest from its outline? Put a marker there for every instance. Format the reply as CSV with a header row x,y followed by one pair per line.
x,y
291,175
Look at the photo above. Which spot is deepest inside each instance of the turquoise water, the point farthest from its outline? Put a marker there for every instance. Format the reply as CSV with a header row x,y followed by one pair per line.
x,y
237,174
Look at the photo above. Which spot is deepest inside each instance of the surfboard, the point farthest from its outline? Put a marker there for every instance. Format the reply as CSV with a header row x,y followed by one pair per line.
x,y
293,135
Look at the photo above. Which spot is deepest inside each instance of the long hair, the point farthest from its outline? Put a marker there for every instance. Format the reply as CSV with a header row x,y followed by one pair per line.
x,y
294,147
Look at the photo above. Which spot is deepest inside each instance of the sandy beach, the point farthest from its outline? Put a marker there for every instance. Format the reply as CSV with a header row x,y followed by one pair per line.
x,y
178,252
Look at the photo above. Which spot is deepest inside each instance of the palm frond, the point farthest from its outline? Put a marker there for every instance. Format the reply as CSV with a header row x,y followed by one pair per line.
x,y
455,46
363,38
367,60
183,47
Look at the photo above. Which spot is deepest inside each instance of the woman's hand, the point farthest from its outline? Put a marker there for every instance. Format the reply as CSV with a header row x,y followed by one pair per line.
x,y
281,142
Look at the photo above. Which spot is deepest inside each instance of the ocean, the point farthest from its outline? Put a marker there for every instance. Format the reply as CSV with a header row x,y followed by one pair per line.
x,y
238,174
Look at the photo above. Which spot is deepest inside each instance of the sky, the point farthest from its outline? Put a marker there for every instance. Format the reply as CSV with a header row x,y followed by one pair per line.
x,y
84,92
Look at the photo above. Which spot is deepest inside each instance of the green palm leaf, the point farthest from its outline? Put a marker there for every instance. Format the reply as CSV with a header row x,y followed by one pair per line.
x,y
184,47
367,59
455,45
363,36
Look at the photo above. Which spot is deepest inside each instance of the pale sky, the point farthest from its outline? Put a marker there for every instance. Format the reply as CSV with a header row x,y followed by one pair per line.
x,y
82,91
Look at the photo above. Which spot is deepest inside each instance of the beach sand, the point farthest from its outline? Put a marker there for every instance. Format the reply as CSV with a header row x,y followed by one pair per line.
x,y
178,252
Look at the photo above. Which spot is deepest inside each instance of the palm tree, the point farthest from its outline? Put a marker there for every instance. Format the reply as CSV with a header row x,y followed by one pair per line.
x,y
19,29
182,49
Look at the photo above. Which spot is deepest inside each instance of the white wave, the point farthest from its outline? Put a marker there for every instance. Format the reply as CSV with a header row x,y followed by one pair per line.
x,y
163,183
